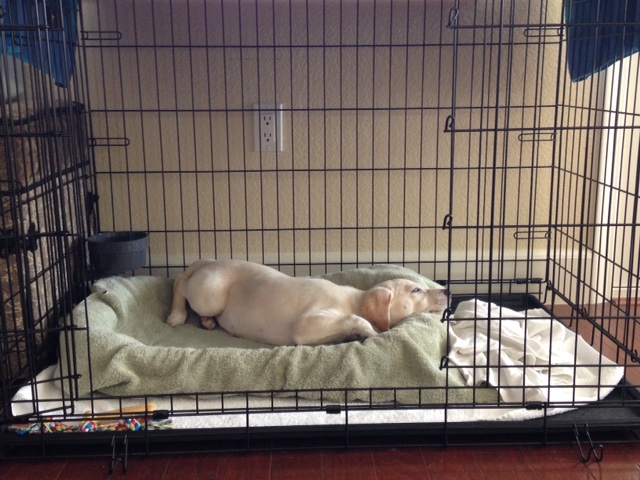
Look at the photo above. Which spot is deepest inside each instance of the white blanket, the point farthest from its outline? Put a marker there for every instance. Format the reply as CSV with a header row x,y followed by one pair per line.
x,y
528,356
43,396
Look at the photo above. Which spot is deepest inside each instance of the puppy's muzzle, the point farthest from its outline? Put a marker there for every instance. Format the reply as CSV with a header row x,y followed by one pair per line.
x,y
442,298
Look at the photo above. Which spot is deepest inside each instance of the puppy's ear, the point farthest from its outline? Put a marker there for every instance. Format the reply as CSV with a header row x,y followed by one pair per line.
x,y
376,307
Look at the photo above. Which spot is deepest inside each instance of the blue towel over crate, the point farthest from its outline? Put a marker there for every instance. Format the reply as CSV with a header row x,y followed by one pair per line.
x,y
42,34
599,33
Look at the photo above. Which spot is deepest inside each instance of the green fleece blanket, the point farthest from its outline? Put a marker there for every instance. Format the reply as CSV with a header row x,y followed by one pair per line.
x,y
121,327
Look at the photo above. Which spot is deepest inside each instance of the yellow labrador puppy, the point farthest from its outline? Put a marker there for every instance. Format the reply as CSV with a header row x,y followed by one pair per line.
x,y
260,303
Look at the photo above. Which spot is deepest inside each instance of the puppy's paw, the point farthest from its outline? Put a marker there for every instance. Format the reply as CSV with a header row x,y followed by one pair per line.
x,y
363,329
176,318
208,322
362,336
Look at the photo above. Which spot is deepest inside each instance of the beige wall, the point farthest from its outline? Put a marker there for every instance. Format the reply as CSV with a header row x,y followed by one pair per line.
x,y
616,241
365,172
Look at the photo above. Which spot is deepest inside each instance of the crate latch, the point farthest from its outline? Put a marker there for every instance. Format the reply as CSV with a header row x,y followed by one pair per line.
x,y
595,451
119,457
12,245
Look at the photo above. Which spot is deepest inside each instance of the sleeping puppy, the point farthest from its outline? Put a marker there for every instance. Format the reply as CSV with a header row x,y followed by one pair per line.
x,y
260,303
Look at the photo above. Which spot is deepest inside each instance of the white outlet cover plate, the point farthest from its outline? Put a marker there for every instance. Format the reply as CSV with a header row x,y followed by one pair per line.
x,y
259,110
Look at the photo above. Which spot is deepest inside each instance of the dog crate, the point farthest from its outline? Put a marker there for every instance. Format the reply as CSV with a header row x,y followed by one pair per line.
x,y
491,147
43,186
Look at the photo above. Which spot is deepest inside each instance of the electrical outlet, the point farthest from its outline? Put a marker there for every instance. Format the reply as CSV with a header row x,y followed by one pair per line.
x,y
267,128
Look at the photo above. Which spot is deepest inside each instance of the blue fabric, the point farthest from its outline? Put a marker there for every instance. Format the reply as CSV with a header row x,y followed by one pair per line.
x,y
52,50
599,33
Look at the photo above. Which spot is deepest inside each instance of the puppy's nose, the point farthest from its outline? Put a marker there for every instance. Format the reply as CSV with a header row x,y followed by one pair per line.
x,y
447,292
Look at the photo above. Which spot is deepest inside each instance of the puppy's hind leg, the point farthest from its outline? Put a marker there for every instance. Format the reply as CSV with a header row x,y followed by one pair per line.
x,y
208,322
178,314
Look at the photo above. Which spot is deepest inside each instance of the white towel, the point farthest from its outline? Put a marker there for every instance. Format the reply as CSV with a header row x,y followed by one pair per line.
x,y
528,356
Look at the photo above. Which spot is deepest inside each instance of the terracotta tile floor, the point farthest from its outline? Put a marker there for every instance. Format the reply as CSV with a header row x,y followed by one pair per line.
x,y
621,461
613,320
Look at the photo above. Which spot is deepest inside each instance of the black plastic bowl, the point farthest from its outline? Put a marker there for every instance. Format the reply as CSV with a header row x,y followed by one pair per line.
x,y
117,252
